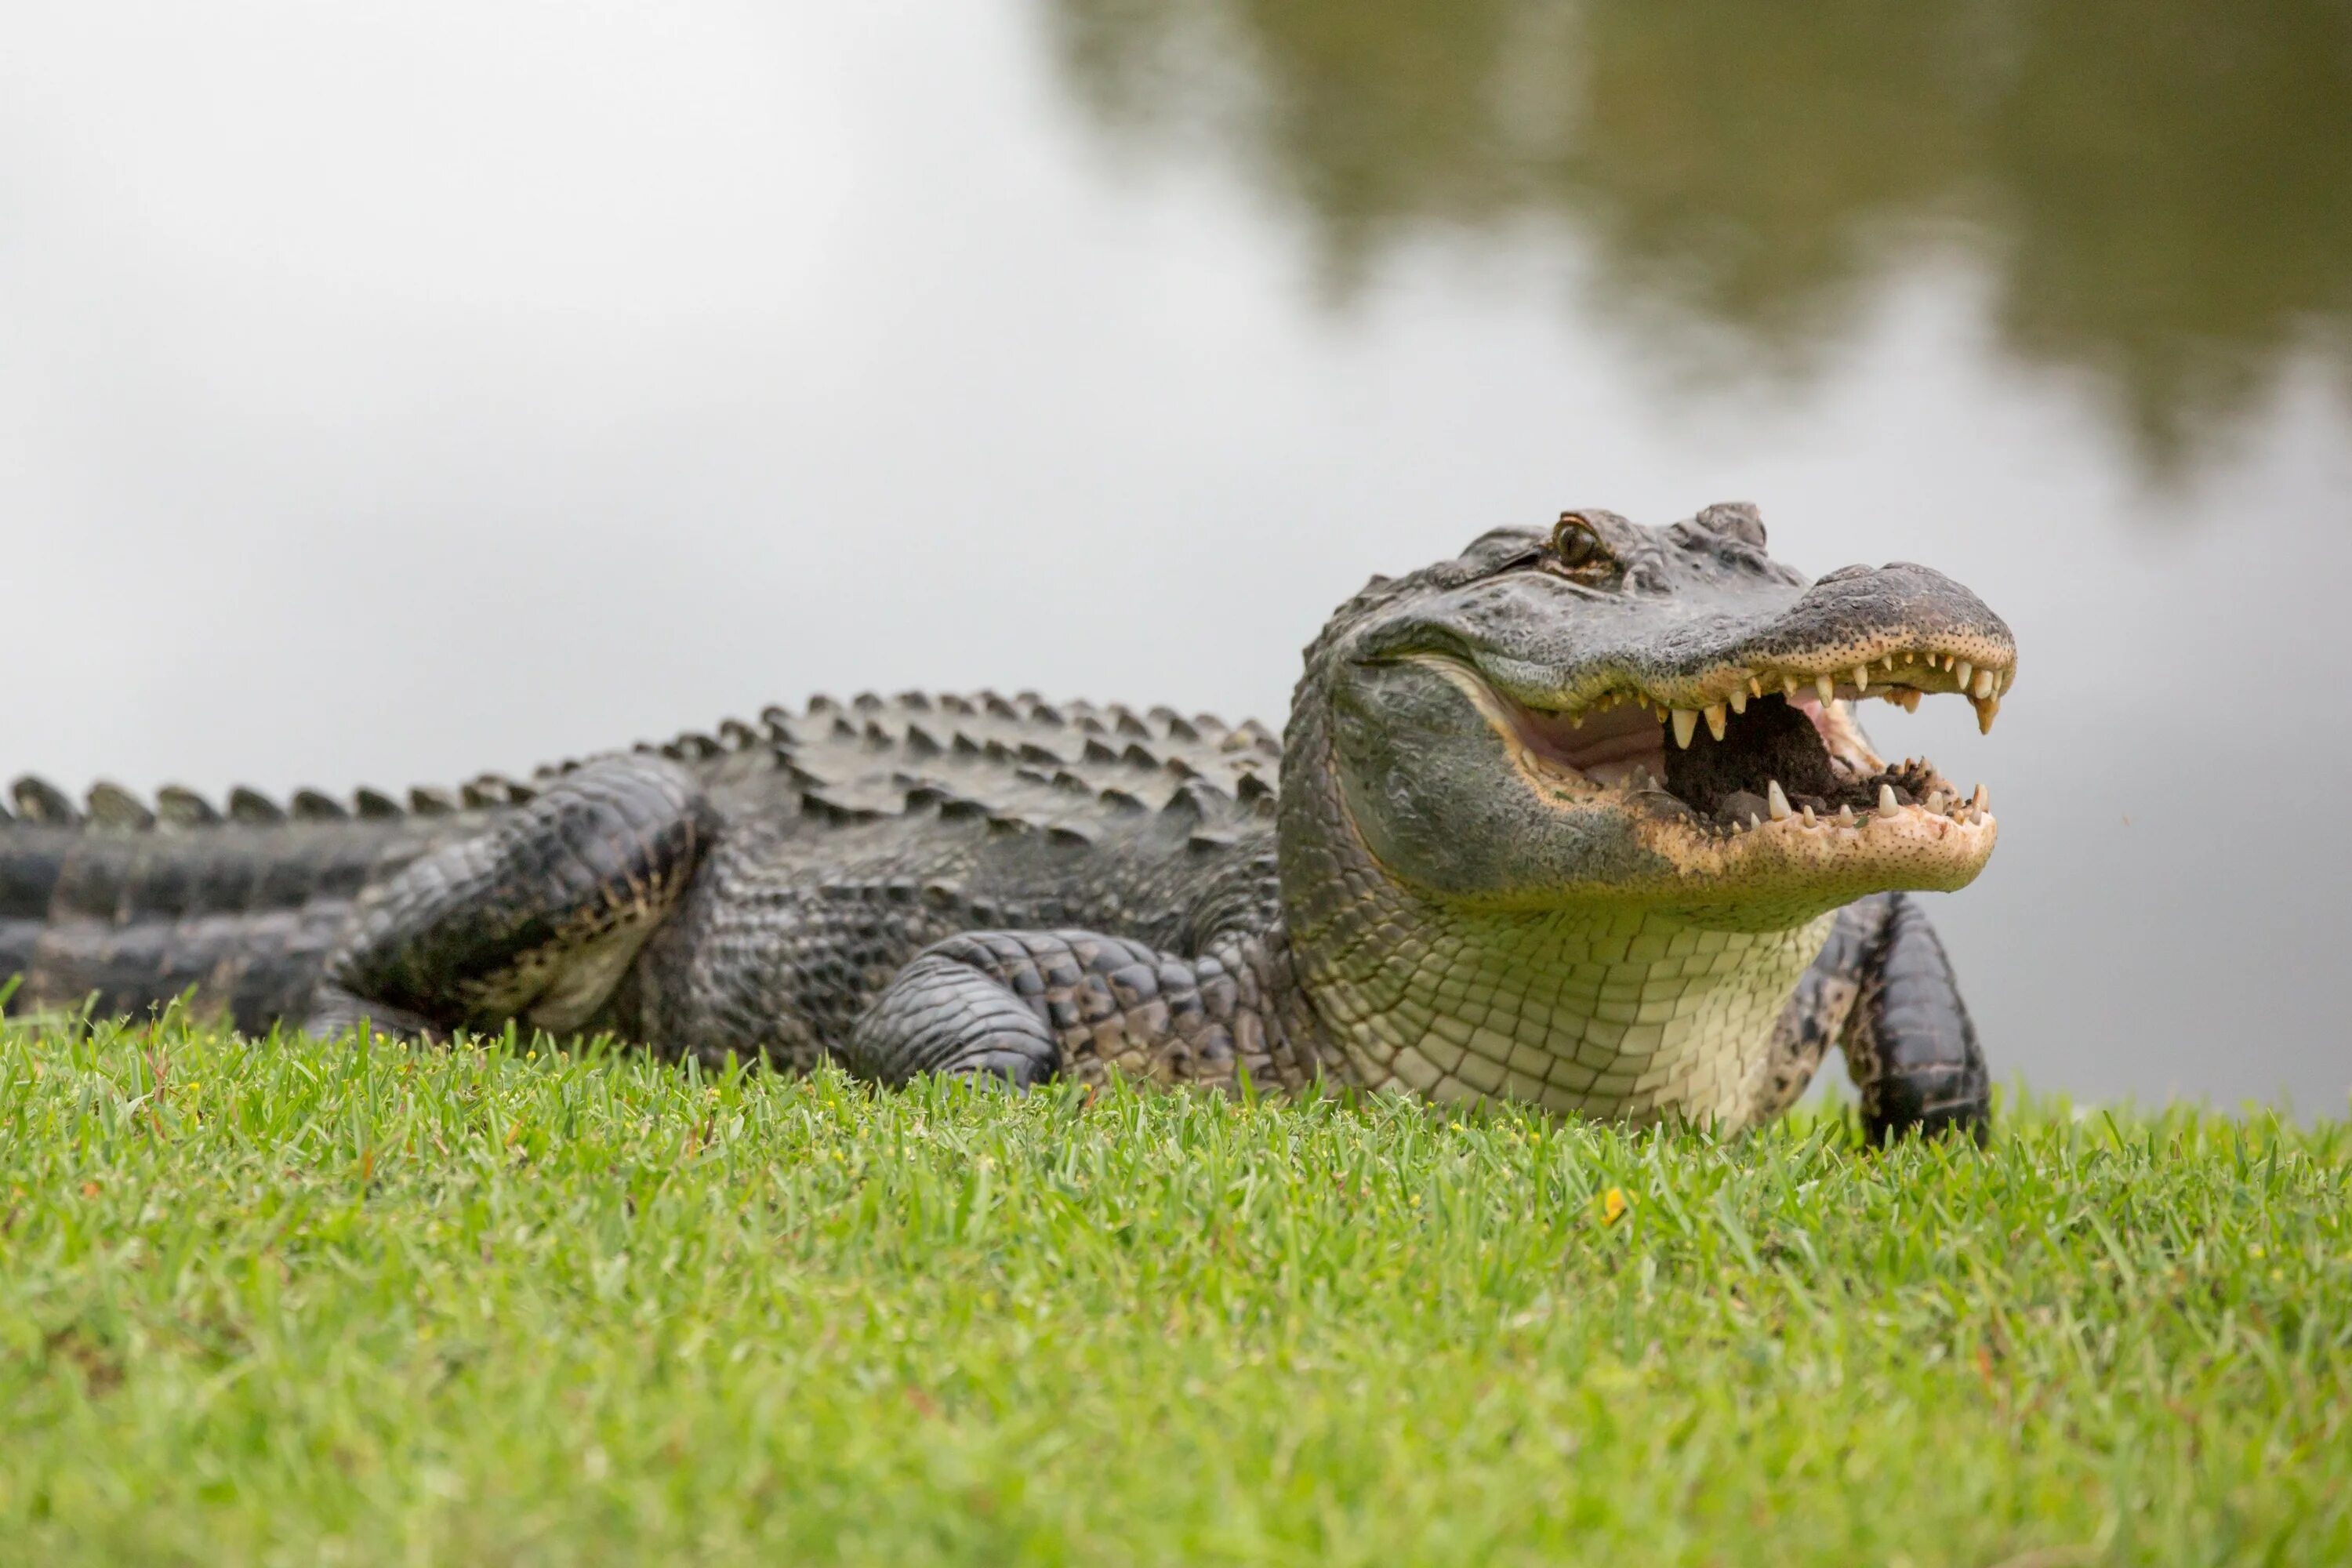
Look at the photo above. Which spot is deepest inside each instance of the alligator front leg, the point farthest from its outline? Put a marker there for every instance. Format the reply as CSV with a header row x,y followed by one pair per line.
x,y
1023,1006
531,921
1883,990
1910,1047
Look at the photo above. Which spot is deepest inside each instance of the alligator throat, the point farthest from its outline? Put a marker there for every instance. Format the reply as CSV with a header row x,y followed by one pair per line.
x,y
1629,1014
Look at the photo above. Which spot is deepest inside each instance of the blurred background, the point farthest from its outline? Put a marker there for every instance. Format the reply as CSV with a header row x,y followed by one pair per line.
x,y
391,391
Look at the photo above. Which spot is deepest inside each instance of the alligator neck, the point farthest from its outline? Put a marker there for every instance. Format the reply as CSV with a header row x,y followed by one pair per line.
x,y
1618,1012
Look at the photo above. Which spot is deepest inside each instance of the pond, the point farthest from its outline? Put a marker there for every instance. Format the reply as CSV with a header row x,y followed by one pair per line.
x,y
389,393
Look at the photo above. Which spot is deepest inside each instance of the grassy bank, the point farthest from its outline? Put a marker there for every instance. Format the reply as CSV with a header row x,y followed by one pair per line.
x,y
314,1302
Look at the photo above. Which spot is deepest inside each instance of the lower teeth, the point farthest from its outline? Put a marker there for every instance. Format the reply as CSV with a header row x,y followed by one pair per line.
x,y
1744,809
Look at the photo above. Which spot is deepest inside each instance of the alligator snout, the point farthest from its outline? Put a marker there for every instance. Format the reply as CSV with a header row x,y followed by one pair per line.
x,y
1859,615
1903,596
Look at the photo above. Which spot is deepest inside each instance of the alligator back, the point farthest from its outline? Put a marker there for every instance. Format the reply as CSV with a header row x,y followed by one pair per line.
x,y
130,905
119,904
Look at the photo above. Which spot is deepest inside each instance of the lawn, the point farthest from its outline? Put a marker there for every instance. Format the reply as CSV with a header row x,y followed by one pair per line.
x,y
316,1302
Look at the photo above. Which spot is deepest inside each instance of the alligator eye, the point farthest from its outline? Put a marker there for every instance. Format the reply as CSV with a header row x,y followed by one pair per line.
x,y
1735,519
1576,543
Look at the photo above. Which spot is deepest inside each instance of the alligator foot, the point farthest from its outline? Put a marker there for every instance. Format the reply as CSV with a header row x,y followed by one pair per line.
x,y
533,921
336,1011
1022,1007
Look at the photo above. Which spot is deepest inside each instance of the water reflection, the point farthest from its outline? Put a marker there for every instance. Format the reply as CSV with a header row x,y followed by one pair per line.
x,y
2161,189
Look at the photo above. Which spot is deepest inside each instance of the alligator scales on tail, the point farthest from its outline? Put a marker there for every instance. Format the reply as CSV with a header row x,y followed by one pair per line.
x,y
1581,819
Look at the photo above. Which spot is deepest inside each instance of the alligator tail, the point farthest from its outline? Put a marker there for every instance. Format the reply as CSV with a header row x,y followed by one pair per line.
x,y
127,905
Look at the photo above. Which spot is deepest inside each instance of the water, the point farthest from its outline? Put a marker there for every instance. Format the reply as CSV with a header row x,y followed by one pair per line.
x,y
388,393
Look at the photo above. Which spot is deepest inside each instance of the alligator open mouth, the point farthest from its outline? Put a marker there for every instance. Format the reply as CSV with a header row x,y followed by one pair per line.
x,y
1737,749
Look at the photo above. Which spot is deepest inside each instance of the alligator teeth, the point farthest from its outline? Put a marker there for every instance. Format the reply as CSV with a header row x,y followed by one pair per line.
x,y
1685,726
1845,816
1776,801
1982,686
1886,802
1981,800
1809,815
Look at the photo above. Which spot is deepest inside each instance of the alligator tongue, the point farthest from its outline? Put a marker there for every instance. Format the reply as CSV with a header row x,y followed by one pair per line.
x,y
1771,741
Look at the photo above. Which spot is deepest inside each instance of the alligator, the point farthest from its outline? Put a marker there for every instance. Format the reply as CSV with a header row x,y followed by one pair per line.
x,y
1581,818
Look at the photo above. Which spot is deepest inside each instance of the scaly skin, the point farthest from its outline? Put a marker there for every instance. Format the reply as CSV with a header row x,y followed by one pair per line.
x,y
1489,859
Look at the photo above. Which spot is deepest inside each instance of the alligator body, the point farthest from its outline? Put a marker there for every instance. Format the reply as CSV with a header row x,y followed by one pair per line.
x,y
1579,818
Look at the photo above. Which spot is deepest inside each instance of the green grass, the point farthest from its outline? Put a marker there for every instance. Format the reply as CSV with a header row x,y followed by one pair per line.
x,y
300,1302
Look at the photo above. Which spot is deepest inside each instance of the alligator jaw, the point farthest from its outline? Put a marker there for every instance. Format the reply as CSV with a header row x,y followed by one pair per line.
x,y
1761,769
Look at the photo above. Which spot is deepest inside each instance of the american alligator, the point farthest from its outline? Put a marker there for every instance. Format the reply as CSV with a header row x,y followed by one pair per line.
x,y
1579,818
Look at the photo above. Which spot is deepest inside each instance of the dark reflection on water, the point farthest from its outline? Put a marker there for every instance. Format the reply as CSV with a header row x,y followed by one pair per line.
x,y
2161,189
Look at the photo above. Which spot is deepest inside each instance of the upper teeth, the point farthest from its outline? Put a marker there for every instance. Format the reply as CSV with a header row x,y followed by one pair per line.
x,y
1981,684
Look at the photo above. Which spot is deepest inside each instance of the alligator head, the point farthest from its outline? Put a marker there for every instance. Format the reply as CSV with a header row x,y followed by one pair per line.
x,y
1609,714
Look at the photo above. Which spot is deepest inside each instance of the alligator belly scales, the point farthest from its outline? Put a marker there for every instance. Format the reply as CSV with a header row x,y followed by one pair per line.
x,y
1581,818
